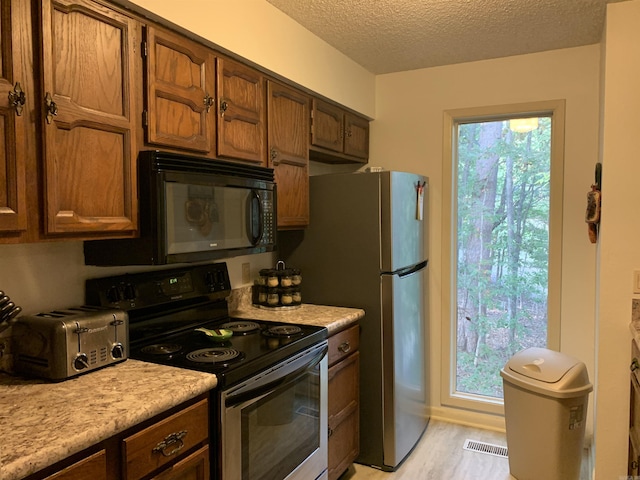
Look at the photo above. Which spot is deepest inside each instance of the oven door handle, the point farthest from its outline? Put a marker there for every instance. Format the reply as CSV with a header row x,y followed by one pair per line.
x,y
243,395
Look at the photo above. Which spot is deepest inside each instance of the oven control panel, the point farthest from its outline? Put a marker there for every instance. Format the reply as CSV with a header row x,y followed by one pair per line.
x,y
148,289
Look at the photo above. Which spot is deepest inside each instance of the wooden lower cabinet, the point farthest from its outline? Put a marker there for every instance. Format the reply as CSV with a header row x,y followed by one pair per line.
x,y
194,467
634,413
344,404
93,467
171,446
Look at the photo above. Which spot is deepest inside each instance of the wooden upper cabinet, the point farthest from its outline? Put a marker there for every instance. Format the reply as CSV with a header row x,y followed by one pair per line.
x,y
328,126
13,211
90,85
241,112
288,145
338,136
180,84
356,136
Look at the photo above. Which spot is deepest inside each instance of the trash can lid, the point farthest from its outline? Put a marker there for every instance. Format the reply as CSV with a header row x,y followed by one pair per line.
x,y
542,364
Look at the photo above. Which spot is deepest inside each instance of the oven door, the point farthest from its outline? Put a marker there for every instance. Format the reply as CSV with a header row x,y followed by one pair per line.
x,y
274,425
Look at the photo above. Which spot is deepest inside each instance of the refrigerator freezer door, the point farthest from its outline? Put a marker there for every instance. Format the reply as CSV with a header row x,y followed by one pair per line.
x,y
403,219
404,383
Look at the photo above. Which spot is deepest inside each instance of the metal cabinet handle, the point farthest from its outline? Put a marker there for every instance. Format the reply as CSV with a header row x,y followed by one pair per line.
x,y
329,432
223,107
17,98
274,156
51,107
344,347
634,466
634,365
170,440
208,102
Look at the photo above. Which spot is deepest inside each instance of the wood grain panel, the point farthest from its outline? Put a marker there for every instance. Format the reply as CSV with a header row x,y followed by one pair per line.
x,y
90,143
13,209
180,76
241,112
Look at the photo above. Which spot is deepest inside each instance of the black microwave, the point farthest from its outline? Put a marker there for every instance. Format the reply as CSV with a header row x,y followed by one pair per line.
x,y
194,209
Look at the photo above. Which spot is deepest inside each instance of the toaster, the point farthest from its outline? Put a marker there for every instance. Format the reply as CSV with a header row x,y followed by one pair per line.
x,y
64,343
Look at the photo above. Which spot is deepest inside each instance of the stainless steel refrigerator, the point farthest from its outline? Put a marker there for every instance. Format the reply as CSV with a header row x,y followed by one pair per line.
x,y
366,247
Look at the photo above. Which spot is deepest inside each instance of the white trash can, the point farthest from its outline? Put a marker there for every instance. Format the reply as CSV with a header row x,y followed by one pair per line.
x,y
545,402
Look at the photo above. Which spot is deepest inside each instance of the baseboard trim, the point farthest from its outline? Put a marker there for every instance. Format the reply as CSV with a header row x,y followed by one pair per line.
x,y
466,417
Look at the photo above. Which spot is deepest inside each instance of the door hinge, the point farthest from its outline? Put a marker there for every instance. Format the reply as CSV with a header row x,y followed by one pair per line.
x,y
145,118
143,49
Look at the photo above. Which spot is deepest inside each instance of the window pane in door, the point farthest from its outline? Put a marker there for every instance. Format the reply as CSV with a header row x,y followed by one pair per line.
x,y
502,247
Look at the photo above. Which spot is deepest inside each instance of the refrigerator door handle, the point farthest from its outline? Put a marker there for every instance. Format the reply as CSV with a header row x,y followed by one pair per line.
x,y
405,272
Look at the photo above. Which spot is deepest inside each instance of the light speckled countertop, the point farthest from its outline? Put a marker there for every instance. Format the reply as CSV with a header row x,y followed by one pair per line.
x,y
333,318
43,422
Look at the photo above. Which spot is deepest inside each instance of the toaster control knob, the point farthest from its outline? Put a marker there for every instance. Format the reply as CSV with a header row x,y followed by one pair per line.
x,y
81,361
117,351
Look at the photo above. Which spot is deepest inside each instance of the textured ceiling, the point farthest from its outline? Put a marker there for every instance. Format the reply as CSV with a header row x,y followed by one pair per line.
x,y
396,35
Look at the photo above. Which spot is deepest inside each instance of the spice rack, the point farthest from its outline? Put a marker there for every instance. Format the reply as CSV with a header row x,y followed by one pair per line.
x,y
278,287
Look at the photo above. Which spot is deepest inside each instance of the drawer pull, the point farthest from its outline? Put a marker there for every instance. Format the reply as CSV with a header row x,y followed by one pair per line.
x,y
344,347
634,365
170,440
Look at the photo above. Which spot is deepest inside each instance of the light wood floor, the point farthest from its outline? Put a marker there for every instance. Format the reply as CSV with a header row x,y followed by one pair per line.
x,y
439,456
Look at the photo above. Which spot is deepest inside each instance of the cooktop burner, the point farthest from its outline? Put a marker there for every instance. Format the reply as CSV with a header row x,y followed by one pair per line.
x,y
241,327
161,349
283,331
218,355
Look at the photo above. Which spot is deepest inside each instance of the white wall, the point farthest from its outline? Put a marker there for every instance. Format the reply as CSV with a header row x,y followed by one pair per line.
x,y
619,254
408,135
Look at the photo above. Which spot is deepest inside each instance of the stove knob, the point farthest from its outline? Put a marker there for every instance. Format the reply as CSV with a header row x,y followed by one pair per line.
x,y
113,295
117,351
129,292
81,361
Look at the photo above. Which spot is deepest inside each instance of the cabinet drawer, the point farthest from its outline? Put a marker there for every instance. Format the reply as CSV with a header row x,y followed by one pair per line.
x,y
165,441
343,343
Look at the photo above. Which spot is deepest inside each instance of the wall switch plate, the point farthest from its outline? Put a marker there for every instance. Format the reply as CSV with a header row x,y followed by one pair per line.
x,y
636,281
246,273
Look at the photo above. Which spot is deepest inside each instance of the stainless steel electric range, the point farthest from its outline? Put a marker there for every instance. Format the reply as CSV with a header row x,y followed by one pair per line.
x,y
269,412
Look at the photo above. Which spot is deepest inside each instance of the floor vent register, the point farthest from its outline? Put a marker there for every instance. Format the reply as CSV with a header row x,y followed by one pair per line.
x,y
488,448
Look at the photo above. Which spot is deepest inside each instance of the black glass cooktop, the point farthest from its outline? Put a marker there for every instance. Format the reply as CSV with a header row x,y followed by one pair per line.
x,y
254,346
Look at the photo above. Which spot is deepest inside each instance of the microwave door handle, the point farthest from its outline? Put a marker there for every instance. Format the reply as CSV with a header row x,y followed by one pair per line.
x,y
255,199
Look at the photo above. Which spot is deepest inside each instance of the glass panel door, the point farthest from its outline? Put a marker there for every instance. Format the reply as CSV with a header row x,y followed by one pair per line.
x,y
502,190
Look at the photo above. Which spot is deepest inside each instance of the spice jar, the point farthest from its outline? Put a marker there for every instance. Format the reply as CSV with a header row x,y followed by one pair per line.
x,y
296,278
285,278
273,297
286,296
296,296
269,277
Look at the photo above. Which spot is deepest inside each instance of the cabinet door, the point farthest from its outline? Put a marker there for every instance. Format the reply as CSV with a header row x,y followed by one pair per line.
x,y
194,467
344,432
93,467
13,213
356,140
180,84
90,86
241,107
288,144
327,126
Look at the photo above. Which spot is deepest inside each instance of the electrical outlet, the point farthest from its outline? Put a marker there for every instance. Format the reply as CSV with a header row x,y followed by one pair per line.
x,y
636,281
246,273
